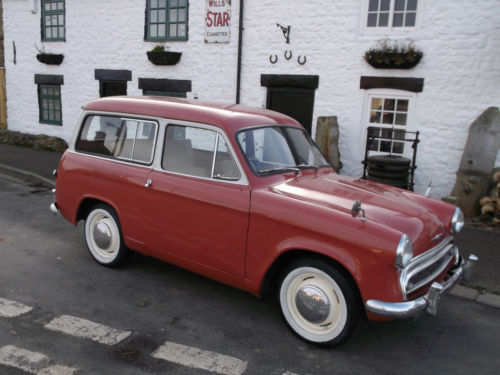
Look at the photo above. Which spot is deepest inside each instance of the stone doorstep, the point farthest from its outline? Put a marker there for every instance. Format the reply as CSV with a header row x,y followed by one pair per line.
x,y
471,294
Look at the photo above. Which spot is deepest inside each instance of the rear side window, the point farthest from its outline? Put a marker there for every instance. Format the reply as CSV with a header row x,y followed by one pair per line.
x,y
126,139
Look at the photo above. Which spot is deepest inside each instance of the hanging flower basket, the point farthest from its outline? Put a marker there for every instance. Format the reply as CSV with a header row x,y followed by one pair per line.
x,y
164,57
387,56
393,60
50,58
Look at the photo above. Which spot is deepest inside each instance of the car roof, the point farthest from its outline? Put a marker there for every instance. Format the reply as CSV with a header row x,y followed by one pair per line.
x,y
230,117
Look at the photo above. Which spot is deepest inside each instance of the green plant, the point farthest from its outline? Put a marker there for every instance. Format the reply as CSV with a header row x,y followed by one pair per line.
x,y
158,48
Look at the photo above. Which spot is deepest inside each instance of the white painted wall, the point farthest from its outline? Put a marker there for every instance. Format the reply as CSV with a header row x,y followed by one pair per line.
x,y
461,66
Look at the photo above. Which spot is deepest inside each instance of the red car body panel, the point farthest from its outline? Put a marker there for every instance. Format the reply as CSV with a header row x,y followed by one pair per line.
x,y
234,233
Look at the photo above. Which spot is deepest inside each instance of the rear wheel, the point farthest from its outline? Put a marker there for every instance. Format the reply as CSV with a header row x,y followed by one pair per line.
x,y
318,303
103,236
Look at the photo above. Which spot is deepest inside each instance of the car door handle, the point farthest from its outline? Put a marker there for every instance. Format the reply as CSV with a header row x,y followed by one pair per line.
x,y
148,183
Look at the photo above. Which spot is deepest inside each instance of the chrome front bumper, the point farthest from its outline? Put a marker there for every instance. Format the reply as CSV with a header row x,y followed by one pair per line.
x,y
429,302
53,208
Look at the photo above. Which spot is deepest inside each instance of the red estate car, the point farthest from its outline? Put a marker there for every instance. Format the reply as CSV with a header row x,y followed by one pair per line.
x,y
242,195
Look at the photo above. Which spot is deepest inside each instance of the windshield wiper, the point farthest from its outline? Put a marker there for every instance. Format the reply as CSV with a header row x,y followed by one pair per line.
x,y
280,169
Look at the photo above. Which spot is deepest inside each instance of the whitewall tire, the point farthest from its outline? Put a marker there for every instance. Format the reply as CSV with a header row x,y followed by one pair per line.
x,y
103,236
317,302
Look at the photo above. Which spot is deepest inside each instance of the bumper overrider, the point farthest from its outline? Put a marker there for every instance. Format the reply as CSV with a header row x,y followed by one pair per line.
x,y
429,302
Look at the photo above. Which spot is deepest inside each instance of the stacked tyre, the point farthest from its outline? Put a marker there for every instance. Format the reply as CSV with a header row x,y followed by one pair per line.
x,y
389,169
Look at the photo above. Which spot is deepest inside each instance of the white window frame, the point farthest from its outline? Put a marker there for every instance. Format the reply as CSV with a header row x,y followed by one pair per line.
x,y
389,94
389,30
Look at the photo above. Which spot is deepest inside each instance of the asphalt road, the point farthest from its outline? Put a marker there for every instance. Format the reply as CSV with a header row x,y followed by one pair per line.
x,y
45,265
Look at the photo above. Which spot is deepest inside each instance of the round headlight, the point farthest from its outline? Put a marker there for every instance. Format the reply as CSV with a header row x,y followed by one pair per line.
x,y
404,252
457,222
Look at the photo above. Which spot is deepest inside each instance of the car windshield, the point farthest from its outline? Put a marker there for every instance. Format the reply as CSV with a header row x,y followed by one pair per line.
x,y
277,149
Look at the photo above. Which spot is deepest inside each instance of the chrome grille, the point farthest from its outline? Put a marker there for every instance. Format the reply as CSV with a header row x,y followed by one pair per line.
x,y
424,268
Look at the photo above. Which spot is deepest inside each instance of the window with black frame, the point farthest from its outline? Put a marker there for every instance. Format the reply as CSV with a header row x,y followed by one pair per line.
x,y
49,104
53,20
166,20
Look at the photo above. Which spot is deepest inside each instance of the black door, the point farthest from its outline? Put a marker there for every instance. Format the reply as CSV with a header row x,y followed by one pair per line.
x,y
113,88
295,102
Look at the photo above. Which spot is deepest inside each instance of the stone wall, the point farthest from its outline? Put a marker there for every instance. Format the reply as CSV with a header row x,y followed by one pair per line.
x,y
460,67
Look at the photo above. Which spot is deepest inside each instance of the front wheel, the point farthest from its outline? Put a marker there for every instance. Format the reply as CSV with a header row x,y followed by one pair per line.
x,y
318,303
103,236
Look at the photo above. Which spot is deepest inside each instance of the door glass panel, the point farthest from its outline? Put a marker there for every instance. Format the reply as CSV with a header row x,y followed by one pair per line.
x,y
189,150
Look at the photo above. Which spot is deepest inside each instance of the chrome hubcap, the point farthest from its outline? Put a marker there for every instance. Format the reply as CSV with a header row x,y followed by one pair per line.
x,y
102,235
313,304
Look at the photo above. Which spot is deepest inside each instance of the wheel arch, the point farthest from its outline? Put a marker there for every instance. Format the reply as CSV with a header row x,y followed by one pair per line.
x,y
87,203
272,277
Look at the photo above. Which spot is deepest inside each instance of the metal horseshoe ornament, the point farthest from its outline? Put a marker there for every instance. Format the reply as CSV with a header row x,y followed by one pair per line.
x,y
301,62
273,60
288,54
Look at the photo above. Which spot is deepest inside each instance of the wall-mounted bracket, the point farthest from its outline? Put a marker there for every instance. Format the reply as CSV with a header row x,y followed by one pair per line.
x,y
286,31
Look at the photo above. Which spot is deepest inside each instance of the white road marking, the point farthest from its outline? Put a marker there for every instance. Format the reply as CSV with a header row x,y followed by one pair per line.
x,y
86,329
201,359
11,309
31,362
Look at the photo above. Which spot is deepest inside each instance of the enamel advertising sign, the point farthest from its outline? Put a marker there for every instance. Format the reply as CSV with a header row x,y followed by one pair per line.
x,y
218,21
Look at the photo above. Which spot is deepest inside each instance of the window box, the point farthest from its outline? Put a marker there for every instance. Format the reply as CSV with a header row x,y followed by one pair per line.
x,y
50,58
164,57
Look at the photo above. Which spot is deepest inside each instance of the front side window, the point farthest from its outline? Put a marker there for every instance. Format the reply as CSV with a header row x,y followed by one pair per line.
x,y
387,121
167,20
382,16
126,139
53,20
277,149
49,104
198,152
